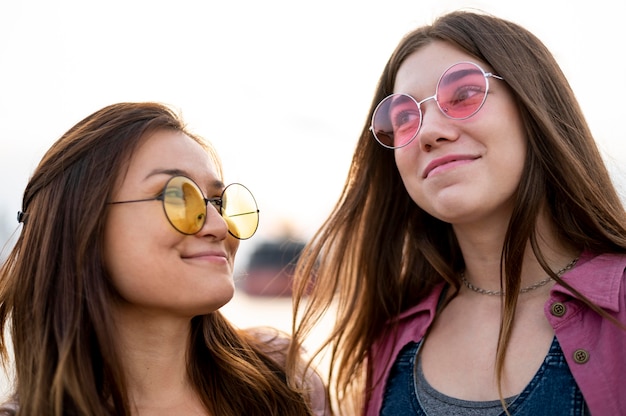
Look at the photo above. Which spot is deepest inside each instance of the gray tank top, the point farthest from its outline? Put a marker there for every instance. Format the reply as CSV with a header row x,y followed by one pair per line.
x,y
552,391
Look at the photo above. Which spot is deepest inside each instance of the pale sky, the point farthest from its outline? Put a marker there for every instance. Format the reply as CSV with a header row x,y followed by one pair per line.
x,y
280,87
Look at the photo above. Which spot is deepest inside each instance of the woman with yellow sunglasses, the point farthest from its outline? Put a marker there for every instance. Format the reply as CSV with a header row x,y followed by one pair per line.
x,y
112,292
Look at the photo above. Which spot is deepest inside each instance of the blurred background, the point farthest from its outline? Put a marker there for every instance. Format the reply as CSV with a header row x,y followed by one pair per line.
x,y
280,87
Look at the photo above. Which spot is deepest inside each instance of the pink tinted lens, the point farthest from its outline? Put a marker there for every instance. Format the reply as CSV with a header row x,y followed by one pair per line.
x,y
462,90
396,120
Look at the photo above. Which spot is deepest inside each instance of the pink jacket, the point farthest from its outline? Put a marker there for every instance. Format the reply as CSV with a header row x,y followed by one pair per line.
x,y
594,348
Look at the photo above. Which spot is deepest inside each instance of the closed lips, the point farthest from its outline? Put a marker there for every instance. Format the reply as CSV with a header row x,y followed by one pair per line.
x,y
445,160
206,254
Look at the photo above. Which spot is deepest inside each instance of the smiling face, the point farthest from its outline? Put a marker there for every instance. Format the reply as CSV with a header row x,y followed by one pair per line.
x,y
460,171
153,267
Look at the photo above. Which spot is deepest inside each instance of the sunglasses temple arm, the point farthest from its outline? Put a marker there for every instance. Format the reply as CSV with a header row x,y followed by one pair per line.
x,y
244,213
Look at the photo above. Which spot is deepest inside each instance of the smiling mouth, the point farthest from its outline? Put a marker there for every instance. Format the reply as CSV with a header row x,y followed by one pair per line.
x,y
446,165
207,256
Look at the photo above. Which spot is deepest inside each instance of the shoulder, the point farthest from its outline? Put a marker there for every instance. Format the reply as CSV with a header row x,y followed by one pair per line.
x,y
610,263
410,325
601,278
593,346
9,408
276,344
271,341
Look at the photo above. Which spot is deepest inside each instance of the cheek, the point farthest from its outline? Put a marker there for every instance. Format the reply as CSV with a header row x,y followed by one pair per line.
x,y
114,238
122,247
408,167
514,149
404,160
134,242
138,263
232,245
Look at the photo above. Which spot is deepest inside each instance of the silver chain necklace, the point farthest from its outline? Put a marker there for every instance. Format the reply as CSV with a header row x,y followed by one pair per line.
x,y
522,290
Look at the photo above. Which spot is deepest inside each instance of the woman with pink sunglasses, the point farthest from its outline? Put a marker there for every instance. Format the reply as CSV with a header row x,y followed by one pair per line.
x,y
477,255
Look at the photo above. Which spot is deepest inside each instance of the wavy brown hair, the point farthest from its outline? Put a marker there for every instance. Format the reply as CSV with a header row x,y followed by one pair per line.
x,y
378,253
55,295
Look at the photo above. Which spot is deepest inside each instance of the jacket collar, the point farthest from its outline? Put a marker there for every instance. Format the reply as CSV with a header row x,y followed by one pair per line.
x,y
598,277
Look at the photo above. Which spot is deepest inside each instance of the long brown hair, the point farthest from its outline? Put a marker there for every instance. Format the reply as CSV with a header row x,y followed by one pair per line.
x,y
378,253
55,295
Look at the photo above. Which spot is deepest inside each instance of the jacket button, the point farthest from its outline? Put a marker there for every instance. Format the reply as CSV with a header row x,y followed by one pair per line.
x,y
558,309
581,356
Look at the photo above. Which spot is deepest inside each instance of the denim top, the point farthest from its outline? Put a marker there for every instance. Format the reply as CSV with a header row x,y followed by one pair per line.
x,y
552,391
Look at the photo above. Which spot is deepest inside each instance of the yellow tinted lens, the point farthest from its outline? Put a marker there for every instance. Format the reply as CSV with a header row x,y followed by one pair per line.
x,y
240,211
184,205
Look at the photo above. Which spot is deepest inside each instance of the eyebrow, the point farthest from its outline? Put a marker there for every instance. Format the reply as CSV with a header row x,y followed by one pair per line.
x,y
215,184
461,73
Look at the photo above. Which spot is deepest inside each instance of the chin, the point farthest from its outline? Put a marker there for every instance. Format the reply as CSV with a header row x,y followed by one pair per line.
x,y
221,297
209,306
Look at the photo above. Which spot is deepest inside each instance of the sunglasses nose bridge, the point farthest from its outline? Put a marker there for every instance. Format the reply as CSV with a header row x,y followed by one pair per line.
x,y
420,103
217,204
214,202
423,113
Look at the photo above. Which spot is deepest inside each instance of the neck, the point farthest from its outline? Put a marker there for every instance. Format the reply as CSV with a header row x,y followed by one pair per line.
x,y
525,289
154,357
482,253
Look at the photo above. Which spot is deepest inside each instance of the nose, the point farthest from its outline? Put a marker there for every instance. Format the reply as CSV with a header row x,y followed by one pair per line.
x,y
214,225
436,127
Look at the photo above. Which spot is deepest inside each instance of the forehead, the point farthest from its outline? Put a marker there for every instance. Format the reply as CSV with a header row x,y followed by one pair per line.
x,y
421,70
172,150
